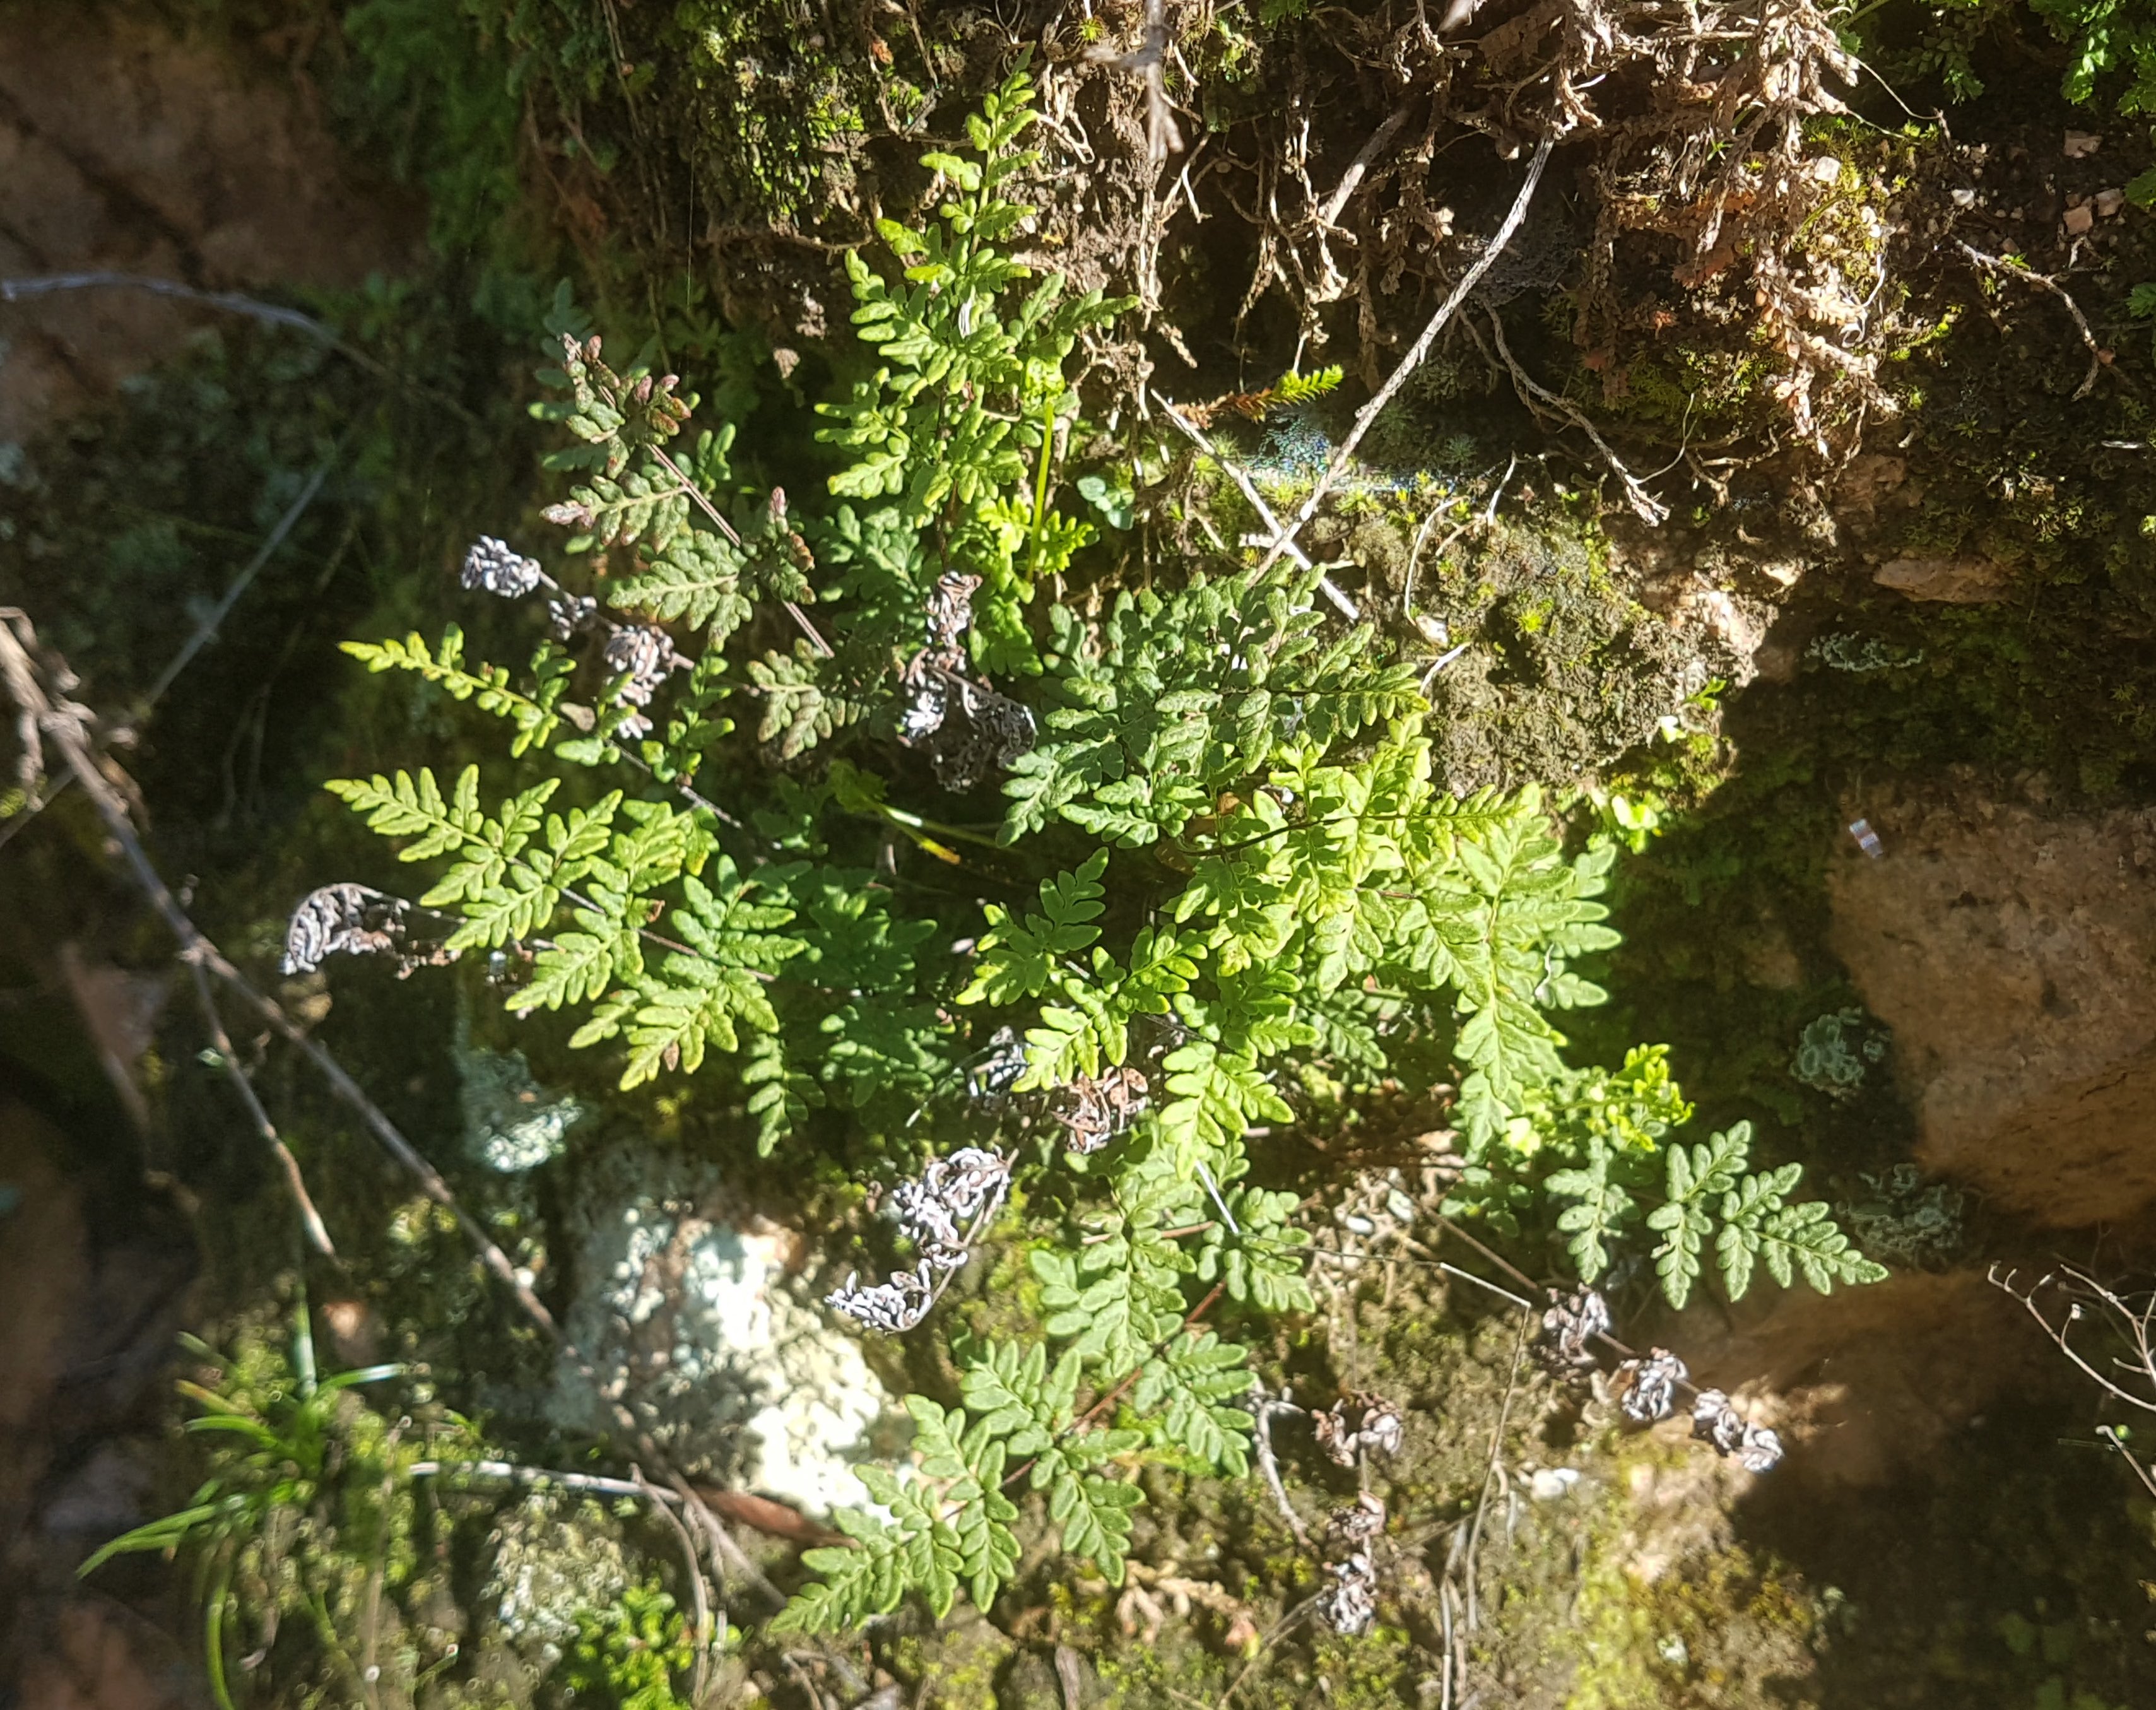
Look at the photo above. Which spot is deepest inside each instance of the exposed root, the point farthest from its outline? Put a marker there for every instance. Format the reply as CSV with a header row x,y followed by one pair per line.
x,y
2099,357
1365,417
1645,505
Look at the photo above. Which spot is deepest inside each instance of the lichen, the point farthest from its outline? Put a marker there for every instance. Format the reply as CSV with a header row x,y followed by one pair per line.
x,y
1901,1216
1836,1050
696,1325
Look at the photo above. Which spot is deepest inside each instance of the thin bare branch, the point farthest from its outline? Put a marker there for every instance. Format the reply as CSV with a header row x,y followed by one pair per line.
x,y
1413,360
206,631
1263,1407
2135,1325
318,1234
18,290
1345,606
694,1566
2016,270
1645,505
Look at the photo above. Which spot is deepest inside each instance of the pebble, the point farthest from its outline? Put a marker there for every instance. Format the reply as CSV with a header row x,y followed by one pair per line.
x,y
1552,1483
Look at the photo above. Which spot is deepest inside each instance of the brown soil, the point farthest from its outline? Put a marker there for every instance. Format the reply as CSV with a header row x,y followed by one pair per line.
x,y
2009,950
94,1270
125,150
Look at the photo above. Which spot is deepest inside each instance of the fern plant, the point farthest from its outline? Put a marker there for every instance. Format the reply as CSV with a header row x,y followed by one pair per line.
x,y
1223,876
959,425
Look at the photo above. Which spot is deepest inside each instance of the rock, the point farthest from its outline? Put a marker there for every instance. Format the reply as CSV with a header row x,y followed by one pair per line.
x,y
2079,218
1869,482
686,1308
1961,582
1549,1483
2108,202
1867,1383
132,150
96,1655
2081,144
2009,951
109,1494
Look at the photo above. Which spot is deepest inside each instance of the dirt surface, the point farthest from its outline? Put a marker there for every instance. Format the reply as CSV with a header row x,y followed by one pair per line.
x,y
2008,950
1868,1383
125,150
94,1276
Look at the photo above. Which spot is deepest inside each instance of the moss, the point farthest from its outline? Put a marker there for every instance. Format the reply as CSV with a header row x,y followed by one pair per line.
x,y
1565,673
956,1668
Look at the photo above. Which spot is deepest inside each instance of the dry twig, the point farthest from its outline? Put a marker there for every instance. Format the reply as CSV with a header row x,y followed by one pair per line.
x,y
693,1566
310,1220
1645,505
1263,1407
1347,607
206,631
1368,414
2098,357
65,727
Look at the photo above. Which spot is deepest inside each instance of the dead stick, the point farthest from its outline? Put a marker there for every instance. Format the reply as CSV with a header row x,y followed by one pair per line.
x,y
2019,270
1645,505
65,731
1368,414
64,728
690,1560
1262,1410
697,496
1334,204
1347,607
311,1220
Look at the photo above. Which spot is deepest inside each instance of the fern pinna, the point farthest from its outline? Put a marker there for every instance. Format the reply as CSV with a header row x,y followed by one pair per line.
x,y
1223,885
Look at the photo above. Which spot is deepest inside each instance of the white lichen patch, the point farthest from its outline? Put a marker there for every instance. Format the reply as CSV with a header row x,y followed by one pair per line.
x,y
694,1323
512,1123
549,1560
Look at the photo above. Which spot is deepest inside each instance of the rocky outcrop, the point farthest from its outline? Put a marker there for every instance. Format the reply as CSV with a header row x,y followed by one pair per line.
x,y
1867,1383
2011,952
125,150
688,1310
1960,581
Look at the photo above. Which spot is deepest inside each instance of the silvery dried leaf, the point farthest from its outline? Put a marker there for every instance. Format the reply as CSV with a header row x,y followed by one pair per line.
x,y
1761,1450
1350,1603
1652,1393
572,614
990,1081
492,567
1353,1527
1714,1420
646,655
1093,1111
1572,1321
1357,1425
892,1308
347,919
939,1210
951,614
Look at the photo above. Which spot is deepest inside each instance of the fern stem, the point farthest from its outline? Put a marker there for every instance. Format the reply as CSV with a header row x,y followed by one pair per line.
x,y
697,496
1040,489
1123,1386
